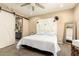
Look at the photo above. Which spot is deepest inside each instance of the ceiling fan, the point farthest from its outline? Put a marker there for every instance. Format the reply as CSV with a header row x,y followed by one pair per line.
x,y
33,5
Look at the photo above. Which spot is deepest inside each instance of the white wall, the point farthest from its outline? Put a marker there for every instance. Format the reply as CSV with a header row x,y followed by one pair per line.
x,y
7,26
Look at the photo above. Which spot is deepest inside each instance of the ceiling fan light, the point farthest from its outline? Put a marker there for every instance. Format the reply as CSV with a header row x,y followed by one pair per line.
x,y
61,5
33,4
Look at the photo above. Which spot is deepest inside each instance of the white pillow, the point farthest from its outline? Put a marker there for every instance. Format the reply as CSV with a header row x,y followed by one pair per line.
x,y
47,33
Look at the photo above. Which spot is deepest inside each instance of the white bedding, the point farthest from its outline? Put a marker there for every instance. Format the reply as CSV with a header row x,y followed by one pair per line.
x,y
75,43
41,42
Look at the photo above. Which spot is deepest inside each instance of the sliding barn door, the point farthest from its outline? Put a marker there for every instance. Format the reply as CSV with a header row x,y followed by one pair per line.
x,y
7,26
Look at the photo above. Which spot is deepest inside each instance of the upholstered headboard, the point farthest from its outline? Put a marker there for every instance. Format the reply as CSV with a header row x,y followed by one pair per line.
x,y
46,25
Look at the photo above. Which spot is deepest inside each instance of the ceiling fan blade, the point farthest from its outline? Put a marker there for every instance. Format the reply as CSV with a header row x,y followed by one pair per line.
x,y
25,4
39,5
33,8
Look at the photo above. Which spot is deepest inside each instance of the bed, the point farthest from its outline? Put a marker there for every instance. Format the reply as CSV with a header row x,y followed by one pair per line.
x,y
45,39
41,42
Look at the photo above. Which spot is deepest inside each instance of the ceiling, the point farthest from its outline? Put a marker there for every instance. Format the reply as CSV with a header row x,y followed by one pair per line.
x,y
26,11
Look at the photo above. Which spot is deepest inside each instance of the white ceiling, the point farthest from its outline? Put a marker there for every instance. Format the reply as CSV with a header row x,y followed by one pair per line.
x,y
26,11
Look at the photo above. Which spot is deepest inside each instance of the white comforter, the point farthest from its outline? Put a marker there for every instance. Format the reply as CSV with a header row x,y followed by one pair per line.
x,y
42,42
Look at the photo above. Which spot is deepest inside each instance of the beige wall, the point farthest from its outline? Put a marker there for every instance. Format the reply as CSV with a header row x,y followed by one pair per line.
x,y
64,16
25,27
76,16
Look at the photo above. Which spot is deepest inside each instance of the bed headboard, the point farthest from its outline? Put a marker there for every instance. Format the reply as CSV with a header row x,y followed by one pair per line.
x,y
46,25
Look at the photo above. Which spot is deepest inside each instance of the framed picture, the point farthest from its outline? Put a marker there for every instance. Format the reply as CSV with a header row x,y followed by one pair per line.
x,y
18,27
18,24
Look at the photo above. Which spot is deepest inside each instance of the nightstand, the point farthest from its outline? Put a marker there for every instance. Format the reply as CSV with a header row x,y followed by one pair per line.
x,y
18,35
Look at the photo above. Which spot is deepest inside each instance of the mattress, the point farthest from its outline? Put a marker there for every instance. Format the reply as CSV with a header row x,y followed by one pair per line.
x,y
41,42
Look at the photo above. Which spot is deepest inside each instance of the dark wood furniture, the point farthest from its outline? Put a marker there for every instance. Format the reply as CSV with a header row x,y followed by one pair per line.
x,y
74,50
18,35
